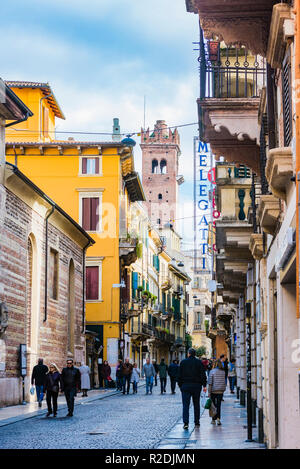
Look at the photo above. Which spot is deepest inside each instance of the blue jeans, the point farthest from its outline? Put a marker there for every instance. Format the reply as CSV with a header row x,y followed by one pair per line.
x,y
149,383
39,392
232,380
189,391
134,386
70,397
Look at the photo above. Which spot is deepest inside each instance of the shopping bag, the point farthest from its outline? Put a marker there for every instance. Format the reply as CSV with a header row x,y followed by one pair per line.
x,y
212,410
203,399
208,403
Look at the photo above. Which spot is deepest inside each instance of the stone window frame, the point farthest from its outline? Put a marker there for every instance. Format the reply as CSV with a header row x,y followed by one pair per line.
x,y
99,157
95,262
91,193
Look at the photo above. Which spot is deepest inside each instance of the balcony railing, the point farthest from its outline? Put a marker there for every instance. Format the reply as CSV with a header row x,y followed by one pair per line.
x,y
229,72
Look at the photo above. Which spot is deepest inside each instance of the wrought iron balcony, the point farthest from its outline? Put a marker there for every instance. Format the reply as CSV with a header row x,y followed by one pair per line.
x,y
229,72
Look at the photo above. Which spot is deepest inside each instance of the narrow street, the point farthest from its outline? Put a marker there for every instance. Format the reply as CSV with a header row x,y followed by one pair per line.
x,y
129,422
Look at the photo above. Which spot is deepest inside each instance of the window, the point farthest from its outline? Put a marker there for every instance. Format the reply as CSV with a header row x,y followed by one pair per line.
x,y
93,274
154,166
158,220
160,196
90,166
90,211
92,283
163,167
53,274
197,302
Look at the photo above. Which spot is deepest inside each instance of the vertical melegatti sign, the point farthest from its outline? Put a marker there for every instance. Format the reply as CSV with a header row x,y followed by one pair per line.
x,y
205,210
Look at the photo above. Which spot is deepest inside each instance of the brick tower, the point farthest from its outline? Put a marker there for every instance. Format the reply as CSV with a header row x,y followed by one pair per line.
x,y
160,154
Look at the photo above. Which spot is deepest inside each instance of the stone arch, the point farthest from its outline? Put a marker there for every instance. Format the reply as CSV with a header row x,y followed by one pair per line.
x,y
71,308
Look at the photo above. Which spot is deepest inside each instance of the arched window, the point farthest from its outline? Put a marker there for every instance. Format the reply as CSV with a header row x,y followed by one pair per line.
x,y
163,167
154,166
160,196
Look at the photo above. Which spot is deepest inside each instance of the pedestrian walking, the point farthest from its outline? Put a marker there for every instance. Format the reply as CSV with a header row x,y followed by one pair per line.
x,y
126,372
216,388
191,378
163,370
119,375
232,375
224,361
173,371
85,379
135,377
38,379
105,373
52,385
71,381
148,371
156,371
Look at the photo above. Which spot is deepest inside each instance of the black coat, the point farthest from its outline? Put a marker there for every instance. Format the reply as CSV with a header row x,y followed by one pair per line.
x,y
38,375
191,371
173,370
71,378
53,382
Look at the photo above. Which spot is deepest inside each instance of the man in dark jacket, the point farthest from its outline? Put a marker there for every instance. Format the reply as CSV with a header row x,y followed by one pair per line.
x,y
38,379
173,373
127,368
163,374
191,378
71,381
156,371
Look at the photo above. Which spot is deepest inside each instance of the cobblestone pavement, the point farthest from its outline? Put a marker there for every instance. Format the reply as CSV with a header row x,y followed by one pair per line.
x,y
130,422
126,422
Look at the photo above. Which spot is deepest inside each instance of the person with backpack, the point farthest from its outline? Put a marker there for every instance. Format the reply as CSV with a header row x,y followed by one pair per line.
x,y
52,384
216,388
163,369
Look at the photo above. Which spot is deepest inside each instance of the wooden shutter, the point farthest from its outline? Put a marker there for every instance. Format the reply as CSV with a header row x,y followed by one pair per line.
x,y
287,101
94,213
86,214
92,283
97,165
84,165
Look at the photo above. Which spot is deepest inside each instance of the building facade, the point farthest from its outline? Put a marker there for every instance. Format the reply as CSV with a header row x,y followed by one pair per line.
x,y
248,114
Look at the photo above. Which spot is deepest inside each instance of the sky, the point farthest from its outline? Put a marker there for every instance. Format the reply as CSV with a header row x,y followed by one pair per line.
x,y
101,57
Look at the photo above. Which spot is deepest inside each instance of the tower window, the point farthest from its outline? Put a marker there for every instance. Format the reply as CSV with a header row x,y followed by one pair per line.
x,y
154,166
158,221
163,167
160,196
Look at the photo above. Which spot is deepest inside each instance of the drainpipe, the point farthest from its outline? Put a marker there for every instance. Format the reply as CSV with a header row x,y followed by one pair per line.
x,y
83,287
297,86
46,263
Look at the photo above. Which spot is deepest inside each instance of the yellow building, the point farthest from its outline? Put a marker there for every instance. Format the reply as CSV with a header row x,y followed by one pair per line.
x,y
94,182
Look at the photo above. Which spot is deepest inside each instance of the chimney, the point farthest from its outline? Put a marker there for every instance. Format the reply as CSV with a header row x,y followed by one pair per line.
x,y
116,130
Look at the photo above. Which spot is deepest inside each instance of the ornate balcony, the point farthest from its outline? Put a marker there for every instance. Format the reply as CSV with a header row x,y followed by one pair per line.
x,y
237,22
128,251
256,246
279,170
268,213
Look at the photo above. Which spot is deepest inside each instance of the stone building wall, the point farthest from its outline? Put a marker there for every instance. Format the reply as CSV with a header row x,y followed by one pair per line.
x,y
22,280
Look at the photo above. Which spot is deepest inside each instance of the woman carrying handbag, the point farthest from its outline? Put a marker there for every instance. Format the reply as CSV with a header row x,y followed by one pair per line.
x,y
52,384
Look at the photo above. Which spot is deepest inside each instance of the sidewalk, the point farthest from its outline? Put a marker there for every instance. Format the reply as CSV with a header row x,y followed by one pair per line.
x,y
230,435
16,413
